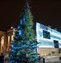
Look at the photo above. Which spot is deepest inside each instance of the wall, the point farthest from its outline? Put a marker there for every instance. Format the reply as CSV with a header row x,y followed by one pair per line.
x,y
48,51
49,40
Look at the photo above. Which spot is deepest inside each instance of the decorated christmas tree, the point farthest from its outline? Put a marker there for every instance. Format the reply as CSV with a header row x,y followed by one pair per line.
x,y
24,46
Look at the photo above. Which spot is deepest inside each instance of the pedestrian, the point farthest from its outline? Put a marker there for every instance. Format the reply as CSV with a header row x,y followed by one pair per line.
x,y
2,58
43,60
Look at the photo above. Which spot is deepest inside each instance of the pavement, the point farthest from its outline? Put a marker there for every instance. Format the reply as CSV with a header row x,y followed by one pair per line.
x,y
54,62
51,59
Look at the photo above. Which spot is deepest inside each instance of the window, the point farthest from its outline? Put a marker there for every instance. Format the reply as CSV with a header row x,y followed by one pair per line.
x,y
56,44
46,34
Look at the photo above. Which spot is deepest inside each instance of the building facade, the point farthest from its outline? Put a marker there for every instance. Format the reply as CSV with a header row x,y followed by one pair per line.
x,y
6,39
49,40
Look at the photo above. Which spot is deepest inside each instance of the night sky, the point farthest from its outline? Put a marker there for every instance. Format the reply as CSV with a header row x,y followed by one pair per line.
x,y
45,12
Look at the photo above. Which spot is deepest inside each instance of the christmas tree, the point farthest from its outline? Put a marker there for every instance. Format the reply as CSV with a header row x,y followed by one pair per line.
x,y
24,46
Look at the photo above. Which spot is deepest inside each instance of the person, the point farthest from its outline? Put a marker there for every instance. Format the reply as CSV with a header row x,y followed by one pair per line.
x,y
2,58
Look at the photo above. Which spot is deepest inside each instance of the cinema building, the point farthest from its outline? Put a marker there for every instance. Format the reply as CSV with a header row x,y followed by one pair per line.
x,y
49,40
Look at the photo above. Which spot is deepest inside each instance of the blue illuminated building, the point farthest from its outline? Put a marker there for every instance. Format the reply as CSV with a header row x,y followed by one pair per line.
x,y
49,40
47,37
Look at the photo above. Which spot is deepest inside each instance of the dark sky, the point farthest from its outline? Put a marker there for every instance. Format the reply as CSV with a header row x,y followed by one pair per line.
x,y
46,12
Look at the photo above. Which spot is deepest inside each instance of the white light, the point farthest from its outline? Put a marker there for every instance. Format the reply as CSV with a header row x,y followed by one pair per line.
x,y
44,39
55,34
48,43
41,46
12,27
